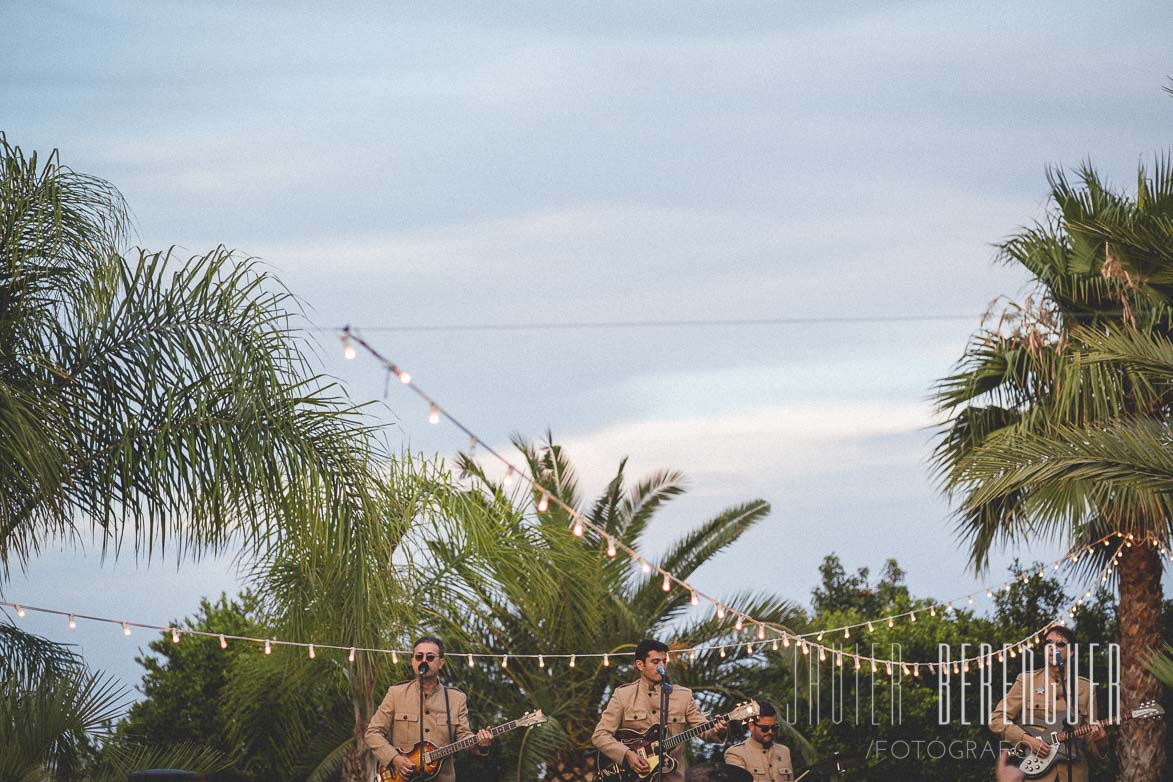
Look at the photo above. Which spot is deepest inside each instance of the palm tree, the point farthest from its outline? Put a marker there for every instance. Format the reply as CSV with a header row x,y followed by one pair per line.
x,y
144,396
1038,394
518,582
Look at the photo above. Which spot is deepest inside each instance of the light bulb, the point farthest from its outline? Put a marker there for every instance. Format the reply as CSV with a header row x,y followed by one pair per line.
x,y
761,632
606,661
404,377
720,611
268,647
505,661
20,611
645,566
313,654
722,652
846,632
351,657
470,661
174,635
822,655
572,661
912,616
694,600
738,624
544,503
348,350
434,415
891,623
508,479
395,657
667,585
611,550
578,529
870,628
72,622
223,642
857,663
775,644
786,642
748,648
125,629
541,661
820,638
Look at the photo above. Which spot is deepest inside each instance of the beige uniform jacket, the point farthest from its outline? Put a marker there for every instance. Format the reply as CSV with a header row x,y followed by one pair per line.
x,y
766,764
396,724
1028,700
636,707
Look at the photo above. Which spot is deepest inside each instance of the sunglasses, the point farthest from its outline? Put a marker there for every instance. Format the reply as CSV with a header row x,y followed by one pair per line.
x,y
420,657
1057,643
766,728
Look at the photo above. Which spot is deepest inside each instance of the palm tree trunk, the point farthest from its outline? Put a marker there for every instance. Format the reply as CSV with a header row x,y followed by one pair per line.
x,y
355,760
1141,743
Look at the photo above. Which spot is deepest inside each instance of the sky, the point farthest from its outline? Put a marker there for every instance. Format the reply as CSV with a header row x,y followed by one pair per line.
x,y
843,172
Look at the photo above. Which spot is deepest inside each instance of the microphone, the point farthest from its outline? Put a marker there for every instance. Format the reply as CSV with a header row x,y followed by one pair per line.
x,y
423,668
1057,658
663,673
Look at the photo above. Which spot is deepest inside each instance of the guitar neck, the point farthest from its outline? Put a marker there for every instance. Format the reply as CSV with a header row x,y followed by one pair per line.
x,y
691,733
1082,730
465,743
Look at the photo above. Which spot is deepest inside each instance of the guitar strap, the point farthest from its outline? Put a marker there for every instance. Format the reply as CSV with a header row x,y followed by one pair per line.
x,y
448,713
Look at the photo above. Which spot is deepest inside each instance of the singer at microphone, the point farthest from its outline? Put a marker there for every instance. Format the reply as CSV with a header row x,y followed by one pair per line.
x,y
636,707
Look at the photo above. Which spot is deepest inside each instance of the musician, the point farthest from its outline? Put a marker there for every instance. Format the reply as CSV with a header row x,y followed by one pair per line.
x,y
636,706
759,754
395,728
1035,692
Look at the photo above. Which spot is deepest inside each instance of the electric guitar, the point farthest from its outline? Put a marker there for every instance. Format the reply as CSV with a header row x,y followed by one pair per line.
x,y
647,745
1036,764
428,758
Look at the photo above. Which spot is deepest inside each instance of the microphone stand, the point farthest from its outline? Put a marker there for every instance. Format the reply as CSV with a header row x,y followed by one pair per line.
x,y
1067,726
423,670
665,691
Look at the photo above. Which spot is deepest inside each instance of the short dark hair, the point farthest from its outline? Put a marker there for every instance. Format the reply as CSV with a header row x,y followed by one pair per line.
x,y
429,639
1067,633
649,645
765,709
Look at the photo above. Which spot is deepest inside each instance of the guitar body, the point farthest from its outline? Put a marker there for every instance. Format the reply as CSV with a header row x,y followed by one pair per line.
x,y
1035,765
643,744
424,771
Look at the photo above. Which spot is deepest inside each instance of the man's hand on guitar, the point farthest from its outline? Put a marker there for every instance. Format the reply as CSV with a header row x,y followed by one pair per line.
x,y
636,762
484,737
1037,745
403,765
722,726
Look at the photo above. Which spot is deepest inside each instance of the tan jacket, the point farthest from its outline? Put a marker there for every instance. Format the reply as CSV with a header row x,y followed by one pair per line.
x,y
1029,700
636,707
766,765
396,724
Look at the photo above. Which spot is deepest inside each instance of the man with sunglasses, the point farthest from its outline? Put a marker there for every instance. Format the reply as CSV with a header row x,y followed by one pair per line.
x,y
636,706
1040,697
759,754
395,727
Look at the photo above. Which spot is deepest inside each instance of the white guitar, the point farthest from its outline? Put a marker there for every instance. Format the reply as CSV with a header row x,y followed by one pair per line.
x,y
1036,764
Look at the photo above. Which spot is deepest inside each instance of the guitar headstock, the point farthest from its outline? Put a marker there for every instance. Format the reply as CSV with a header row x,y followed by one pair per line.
x,y
745,711
531,718
1149,710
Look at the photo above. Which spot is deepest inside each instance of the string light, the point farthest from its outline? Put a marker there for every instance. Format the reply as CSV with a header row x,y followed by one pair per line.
x,y
434,415
572,661
761,632
544,502
223,642
577,529
870,628
606,661
541,661
846,632
395,657
738,624
470,661
348,350
404,377
72,622
269,647
20,611
891,622
313,654
612,551
125,629
174,635
474,439
720,612
645,566
508,479
775,644
693,599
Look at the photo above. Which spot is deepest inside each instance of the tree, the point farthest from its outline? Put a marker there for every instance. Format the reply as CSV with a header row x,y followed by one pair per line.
x,y
147,397
517,581
1037,386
